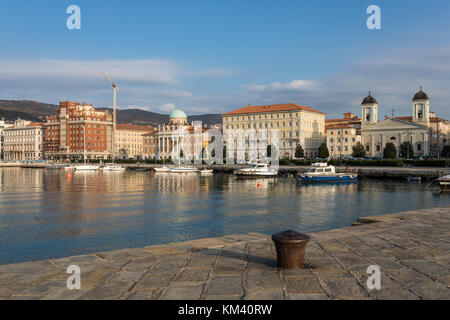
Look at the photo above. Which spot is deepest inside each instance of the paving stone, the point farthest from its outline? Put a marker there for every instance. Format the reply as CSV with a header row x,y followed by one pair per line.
x,y
153,282
192,275
225,285
144,295
183,291
269,281
395,294
306,296
306,272
265,294
111,291
351,259
304,285
344,288
221,298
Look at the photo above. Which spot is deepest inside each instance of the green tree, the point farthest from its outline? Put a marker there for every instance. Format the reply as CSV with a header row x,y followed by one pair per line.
x,y
323,151
299,152
390,151
359,151
406,150
446,151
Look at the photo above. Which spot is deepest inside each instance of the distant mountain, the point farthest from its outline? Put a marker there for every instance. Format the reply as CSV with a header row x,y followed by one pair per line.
x,y
37,111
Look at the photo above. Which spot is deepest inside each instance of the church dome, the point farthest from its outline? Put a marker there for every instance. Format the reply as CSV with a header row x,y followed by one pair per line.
x,y
369,100
177,114
420,95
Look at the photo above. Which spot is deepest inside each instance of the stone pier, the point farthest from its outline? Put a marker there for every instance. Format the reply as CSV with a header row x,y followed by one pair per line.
x,y
412,250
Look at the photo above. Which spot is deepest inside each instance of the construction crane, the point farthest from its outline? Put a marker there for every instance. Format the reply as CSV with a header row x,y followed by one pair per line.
x,y
115,89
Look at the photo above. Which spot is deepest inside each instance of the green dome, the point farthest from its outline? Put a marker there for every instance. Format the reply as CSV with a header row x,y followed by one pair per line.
x,y
178,114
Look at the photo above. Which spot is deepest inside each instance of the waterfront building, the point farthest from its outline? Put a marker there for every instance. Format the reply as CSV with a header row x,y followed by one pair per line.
x,y
177,133
296,125
349,119
376,134
129,141
3,124
77,131
24,141
341,139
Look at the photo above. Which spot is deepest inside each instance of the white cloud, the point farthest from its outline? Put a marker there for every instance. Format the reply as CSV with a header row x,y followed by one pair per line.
x,y
295,85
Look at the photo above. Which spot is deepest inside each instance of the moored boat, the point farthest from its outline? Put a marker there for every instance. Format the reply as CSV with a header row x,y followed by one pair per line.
x,y
162,169
86,167
322,172
444,183
259,170
111,168
183,169
206,171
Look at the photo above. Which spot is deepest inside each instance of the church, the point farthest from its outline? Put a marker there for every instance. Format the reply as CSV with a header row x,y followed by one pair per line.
x,y
376,134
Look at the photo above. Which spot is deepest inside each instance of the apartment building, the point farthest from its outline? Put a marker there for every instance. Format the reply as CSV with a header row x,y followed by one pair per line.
x,y
341,139
78,131
3,124
296,125
24,141
129,141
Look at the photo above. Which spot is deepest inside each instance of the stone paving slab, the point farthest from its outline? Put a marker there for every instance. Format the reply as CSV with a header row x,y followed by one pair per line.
x,y
411,248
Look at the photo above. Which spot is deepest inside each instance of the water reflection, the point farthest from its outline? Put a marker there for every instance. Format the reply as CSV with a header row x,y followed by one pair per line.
x,y
52,213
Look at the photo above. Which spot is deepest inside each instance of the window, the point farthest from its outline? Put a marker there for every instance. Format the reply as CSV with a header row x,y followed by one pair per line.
x,y
367,148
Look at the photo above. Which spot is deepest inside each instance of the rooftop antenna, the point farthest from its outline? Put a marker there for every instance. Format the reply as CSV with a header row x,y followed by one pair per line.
x,y
115,89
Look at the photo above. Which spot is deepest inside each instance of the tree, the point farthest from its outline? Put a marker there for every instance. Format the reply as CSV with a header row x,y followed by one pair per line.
x,y
390,151
323,151
406,150
224,152
446,151
299,152
359,151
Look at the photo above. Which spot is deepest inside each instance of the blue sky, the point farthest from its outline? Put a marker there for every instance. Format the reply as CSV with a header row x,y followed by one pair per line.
x,y
215,56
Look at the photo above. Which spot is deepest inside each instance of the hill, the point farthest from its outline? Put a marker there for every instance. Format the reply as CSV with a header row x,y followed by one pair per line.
x,y
37,111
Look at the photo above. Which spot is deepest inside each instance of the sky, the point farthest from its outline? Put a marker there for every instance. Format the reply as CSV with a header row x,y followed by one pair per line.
x,y
216,56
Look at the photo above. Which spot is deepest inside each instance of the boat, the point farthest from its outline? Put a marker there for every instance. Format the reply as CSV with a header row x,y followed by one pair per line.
x,y
86,167
444,183
414,179
322,172
68,168
258,170
111,168
162,169
207,171
183,169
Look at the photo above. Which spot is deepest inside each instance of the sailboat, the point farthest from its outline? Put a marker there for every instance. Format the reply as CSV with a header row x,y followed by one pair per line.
x,y
85,166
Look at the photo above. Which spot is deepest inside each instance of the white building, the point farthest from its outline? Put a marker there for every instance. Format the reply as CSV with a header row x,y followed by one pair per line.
x,y
3,125
24,141
376,134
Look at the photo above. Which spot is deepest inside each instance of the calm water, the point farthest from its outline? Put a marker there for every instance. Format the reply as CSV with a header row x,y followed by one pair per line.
x,y
47,214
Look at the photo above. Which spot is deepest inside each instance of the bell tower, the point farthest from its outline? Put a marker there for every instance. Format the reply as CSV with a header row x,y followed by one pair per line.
x,y
369,108
421,108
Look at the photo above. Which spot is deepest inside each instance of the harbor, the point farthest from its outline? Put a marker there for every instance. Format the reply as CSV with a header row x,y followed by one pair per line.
x,y
411,248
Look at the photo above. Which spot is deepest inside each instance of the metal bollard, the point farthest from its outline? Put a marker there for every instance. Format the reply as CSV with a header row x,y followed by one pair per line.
x,y
290,247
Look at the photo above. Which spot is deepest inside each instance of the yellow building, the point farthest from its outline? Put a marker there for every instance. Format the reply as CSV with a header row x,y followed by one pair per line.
x,y
296,125
341,139
129,141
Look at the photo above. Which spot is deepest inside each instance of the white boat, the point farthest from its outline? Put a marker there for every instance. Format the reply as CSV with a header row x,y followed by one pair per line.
x,y
86,167
444,183
322,172
257,170
183,169
68,168
162,169
207,171
111,168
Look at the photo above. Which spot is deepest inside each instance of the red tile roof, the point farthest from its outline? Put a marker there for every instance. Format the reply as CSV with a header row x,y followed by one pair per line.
x,y
271,108
343,120
34,124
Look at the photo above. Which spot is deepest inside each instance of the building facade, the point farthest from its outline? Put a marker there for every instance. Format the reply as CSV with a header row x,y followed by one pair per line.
x,y
376,134
3,124
129,141
296,125
78,131
341,139
24,141
177,135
